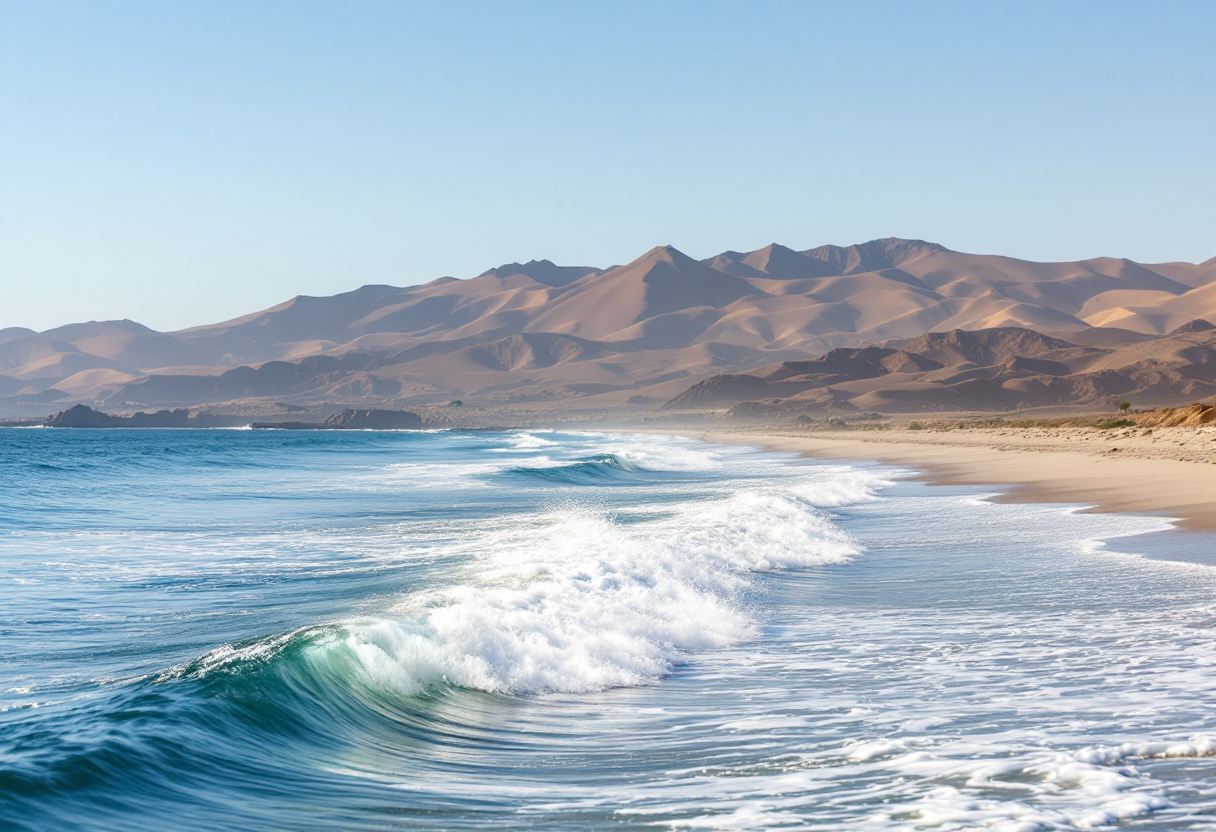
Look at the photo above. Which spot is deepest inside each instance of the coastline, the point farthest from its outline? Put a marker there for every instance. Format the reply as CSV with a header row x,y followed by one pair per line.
x,y
1055,466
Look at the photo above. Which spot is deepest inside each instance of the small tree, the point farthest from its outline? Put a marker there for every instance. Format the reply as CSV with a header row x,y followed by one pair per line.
x,y
1125,406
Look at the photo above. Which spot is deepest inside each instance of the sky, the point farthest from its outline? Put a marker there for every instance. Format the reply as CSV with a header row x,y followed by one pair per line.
x,y
184,163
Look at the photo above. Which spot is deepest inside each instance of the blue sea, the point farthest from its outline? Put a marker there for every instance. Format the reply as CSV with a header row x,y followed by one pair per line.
x,y
298,630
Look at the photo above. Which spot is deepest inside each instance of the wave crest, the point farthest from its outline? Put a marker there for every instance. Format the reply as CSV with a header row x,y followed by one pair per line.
x,y
576,601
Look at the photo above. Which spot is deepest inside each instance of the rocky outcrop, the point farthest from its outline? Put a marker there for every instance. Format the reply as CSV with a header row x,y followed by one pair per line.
x,y
354,420
82,416
375,420
723,389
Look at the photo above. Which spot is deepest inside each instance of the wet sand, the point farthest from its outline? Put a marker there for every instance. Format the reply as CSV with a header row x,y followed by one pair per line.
x,y
1167,471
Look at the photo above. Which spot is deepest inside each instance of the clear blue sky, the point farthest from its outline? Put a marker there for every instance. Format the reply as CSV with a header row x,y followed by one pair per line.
x,y
179,163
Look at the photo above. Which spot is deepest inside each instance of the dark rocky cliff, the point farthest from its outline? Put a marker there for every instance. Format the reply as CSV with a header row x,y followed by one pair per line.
x,y
375,420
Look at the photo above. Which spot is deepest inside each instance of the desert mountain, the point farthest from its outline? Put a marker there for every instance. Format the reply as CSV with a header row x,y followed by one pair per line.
x,y
1006,368
537,331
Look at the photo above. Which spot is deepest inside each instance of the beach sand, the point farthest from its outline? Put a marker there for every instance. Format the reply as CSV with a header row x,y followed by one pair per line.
x,y
1167,471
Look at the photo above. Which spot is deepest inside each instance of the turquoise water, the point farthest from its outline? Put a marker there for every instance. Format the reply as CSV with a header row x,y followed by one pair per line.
x,y
233,630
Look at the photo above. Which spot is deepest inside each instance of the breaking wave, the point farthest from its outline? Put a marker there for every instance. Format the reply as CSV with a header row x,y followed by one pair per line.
x,y
574,601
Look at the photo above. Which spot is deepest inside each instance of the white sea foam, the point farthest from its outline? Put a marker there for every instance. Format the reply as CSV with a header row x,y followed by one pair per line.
x,y
639,453
529,440
995,787
839,485
672,456
574,601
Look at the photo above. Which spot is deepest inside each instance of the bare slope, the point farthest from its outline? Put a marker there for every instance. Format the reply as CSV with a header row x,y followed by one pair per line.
x,y
1006,368
658,318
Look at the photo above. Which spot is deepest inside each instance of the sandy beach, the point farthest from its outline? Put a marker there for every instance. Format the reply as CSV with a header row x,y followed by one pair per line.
x,y
1166,471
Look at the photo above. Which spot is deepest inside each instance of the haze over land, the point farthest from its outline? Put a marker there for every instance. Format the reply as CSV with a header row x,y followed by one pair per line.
x,y
543,335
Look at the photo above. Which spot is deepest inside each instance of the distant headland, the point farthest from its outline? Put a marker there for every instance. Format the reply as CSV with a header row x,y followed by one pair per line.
x,y
82,416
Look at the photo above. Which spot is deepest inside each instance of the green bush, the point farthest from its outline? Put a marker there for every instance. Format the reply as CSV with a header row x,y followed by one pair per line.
x,y
1107,424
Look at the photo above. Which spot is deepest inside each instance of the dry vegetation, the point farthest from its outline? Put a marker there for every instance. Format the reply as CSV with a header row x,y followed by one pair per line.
x,y
1185,434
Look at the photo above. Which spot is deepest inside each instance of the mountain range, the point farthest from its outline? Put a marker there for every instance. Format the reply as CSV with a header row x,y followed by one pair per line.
x,y
539,334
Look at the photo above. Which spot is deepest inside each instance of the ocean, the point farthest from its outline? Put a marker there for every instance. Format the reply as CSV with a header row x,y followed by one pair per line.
x,y
299,630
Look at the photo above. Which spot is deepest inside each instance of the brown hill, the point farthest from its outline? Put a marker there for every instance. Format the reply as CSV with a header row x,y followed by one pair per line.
x,y
12,333
998,369
660,318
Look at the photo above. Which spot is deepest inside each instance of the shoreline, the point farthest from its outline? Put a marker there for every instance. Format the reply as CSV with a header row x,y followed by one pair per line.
x,y
1060,468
